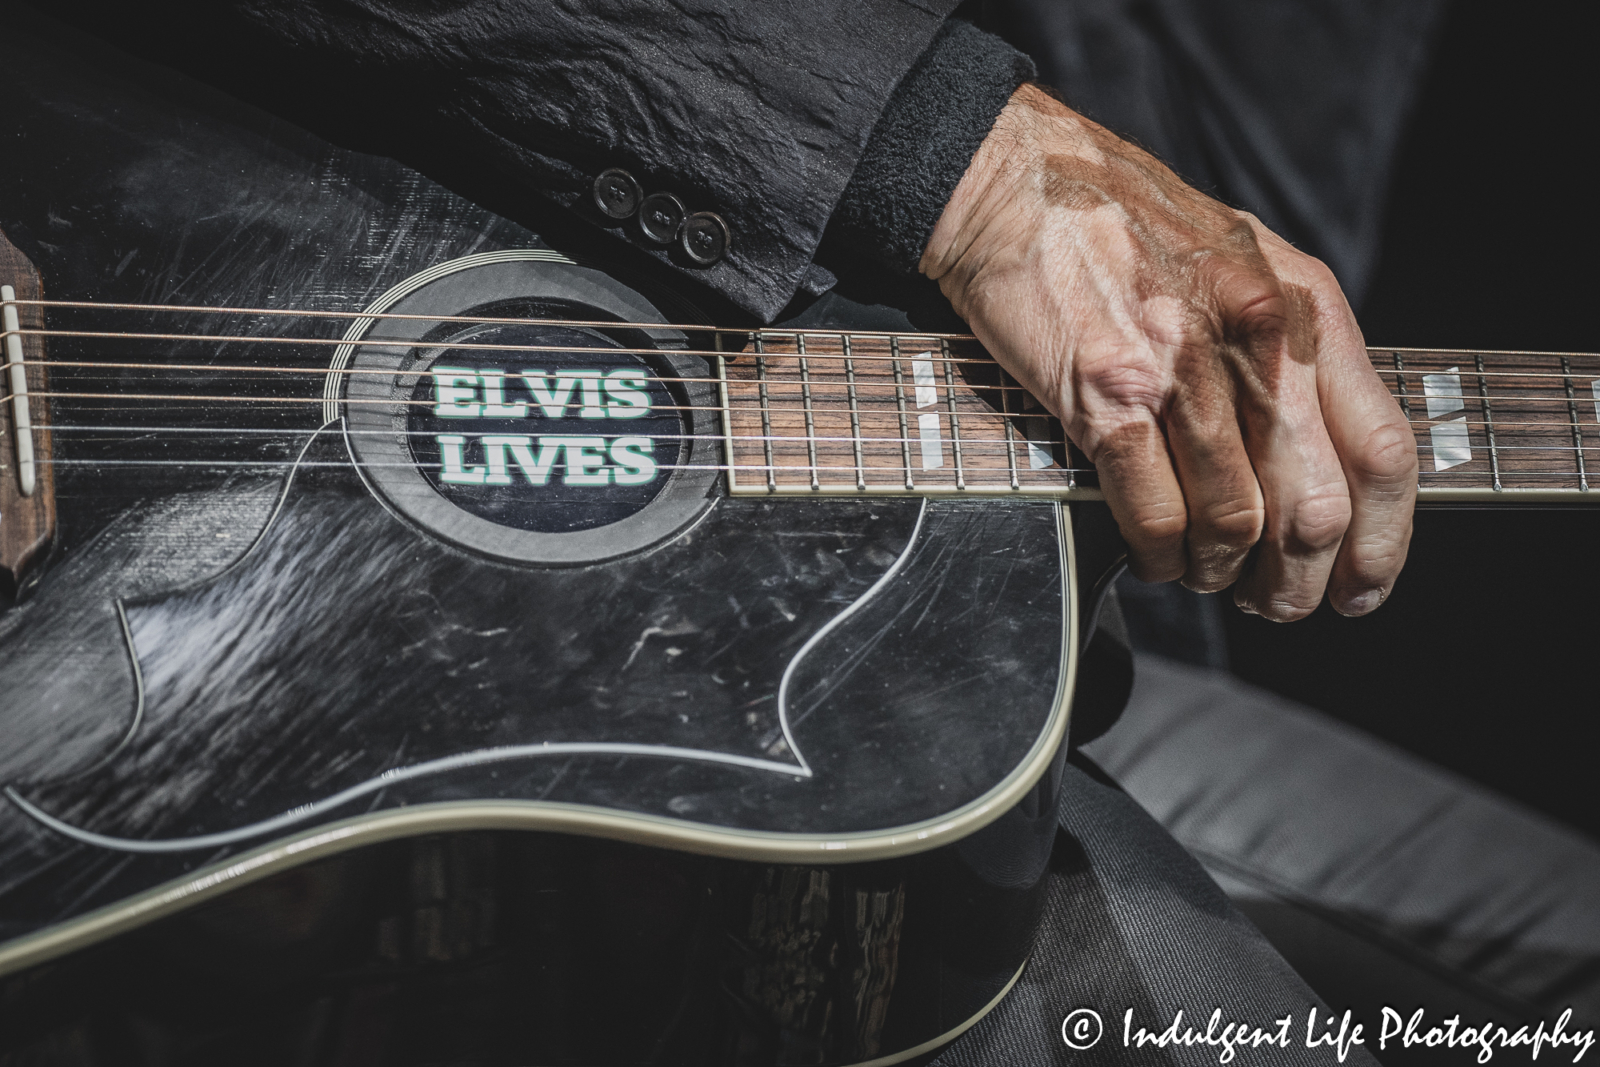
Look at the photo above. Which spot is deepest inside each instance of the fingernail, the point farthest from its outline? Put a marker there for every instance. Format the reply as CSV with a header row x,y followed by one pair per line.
x,y
1363,603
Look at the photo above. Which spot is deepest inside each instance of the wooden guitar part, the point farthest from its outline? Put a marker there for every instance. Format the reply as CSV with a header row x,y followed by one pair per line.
x,y
27,482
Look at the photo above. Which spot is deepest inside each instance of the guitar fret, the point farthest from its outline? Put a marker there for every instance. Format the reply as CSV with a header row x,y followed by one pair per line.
x,y
727,414
1488,425
805,402
955,419
1011,432
1400,383
1072,464
1577,427
766,412
855,410
1405,400
900,403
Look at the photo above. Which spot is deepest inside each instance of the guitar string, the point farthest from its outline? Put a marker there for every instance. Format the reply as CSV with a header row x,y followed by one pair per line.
x,y
682,327
948,389
893,476
750,407
1374,355
971,395
795,439
897,483
929,476
938,478
798,441
492,320
977,466
411,342
1559,395
323,372
1500,426
791,440
1001,470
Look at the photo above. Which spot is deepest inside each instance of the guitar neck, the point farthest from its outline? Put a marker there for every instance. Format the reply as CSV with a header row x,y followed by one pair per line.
x,y
927,414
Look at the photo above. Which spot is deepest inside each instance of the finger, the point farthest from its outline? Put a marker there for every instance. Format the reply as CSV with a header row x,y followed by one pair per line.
x,y
1307,510
1306,500
1225,510
1379,455
1137,479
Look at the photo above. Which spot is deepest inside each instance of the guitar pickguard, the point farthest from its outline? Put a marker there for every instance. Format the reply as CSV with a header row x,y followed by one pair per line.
x,y
346,653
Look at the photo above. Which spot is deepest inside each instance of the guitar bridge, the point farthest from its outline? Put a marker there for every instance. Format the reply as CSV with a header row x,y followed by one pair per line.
x,y
27,484
17,379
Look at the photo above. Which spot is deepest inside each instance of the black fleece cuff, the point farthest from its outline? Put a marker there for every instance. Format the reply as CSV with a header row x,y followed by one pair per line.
x,y
922,144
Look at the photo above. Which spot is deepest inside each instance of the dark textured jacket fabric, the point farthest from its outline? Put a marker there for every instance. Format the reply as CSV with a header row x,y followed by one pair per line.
x,y
757,111
922,144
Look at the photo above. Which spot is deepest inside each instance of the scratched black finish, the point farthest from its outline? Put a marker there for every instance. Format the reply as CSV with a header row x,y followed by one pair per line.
x,y
345,645
518,948
296,639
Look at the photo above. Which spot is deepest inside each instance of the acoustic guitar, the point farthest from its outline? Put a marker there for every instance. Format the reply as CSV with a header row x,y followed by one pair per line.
x,y
426,644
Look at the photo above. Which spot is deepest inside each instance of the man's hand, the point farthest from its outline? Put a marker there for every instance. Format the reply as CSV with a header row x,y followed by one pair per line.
x,y
1214,375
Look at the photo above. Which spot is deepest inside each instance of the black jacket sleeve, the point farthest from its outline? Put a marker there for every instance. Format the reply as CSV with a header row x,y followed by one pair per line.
x,y
921,146
757,110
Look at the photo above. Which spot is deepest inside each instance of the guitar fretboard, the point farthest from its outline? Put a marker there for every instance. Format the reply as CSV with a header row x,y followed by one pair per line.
x,y
819,413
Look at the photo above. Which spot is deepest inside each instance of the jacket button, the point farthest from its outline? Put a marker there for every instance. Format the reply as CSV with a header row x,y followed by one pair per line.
x,y
617,194
705,238
660,216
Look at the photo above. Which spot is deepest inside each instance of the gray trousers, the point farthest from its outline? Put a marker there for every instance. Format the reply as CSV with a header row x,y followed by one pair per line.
x,y
1238,851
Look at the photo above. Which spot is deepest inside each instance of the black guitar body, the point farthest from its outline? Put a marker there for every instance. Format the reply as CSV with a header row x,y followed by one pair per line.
x,y
309,757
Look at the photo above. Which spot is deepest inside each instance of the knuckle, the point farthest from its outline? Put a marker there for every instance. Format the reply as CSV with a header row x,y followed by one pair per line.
x,y
1258,311
1236,523
1307,270
1124,379
1319,521
1116,438
1237,237
1251,300
1158,524
1170,321
1387,455
1319,276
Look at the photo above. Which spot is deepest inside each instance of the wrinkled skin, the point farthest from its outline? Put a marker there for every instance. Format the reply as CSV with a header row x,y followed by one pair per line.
x,y
1214,375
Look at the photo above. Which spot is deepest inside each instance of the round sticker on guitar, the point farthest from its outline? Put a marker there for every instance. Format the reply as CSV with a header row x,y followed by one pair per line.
x,y
544,437
553,441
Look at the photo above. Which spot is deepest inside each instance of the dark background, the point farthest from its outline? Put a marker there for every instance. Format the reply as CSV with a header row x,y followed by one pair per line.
x,y
1484,659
